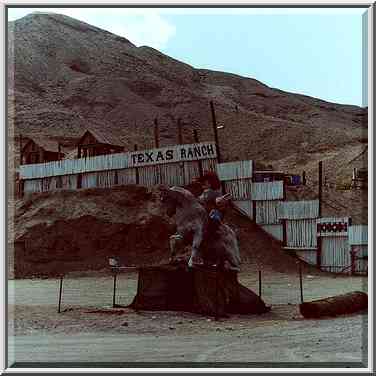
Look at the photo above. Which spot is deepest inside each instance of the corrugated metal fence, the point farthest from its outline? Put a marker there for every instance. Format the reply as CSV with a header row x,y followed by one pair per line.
x,y
175,165
295,223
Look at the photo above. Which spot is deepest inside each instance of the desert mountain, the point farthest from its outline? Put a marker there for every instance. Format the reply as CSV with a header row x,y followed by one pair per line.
x,y
65,76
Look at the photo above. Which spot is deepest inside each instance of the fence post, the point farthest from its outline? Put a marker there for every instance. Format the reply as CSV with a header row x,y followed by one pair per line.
x,y
301,282
260,284
216,293
60,293
352,256
114,291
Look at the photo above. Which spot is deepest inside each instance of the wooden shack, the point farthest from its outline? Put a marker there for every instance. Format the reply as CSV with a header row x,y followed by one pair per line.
x,y
39,150
94,142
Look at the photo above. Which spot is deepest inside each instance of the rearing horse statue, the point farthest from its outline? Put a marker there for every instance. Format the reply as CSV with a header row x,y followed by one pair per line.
x,y
220,248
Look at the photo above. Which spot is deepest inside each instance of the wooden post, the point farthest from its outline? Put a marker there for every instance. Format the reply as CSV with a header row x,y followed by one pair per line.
x,y
156,133
352,255
284,232
21,154
260,284
301,283
320,187
195,137
114,291
216,293
319,240
215,132
180,134
60,293
136,168
79,181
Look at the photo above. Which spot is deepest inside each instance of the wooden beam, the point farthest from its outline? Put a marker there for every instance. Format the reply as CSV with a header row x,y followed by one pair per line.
x,y
320,188
180,134
214,120
21,154
195,137
319,241
156,133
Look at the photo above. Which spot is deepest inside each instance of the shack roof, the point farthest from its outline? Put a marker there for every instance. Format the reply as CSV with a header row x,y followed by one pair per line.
x,y
102,137
45,143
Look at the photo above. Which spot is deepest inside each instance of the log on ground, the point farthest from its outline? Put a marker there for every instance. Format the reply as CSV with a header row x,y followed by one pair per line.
x,y
336,305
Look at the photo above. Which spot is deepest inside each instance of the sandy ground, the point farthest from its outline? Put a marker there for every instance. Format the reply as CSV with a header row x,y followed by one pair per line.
x,y
88,330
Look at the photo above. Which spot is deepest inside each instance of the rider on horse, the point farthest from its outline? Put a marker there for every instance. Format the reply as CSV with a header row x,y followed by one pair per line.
x,y
212,199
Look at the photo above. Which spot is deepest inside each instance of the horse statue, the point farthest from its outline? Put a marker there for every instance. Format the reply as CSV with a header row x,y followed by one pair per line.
x,y
220,248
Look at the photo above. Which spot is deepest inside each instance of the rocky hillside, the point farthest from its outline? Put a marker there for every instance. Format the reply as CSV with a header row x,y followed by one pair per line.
x,y
69,75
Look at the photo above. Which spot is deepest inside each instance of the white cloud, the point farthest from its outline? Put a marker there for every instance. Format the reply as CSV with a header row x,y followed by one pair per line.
x,y
151,30
140,26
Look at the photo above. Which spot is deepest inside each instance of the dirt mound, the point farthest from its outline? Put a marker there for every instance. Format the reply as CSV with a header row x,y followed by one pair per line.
x,y
67,231
79,230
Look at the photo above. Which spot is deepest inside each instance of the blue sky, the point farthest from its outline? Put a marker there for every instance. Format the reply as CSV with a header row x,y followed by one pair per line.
x,y
317,52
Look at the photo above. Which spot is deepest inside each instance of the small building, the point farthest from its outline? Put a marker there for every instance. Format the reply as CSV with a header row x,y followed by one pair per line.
x,y
94,142
39,150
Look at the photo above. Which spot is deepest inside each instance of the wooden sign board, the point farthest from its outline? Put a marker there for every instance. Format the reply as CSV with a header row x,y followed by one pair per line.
x,y
171,154
332,226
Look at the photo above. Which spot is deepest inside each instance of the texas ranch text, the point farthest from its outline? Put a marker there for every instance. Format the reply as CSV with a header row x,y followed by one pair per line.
x,y
177,153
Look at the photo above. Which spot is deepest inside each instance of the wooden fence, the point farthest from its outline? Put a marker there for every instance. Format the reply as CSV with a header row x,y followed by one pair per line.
x,y
176,165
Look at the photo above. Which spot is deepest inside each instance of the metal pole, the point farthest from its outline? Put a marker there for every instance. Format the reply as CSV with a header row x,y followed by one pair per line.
x,y
114,292
260,283
301,283
156,133
60,293
215,132
180,134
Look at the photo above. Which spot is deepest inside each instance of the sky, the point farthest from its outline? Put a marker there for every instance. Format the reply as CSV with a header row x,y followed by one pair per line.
x,y
316,52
